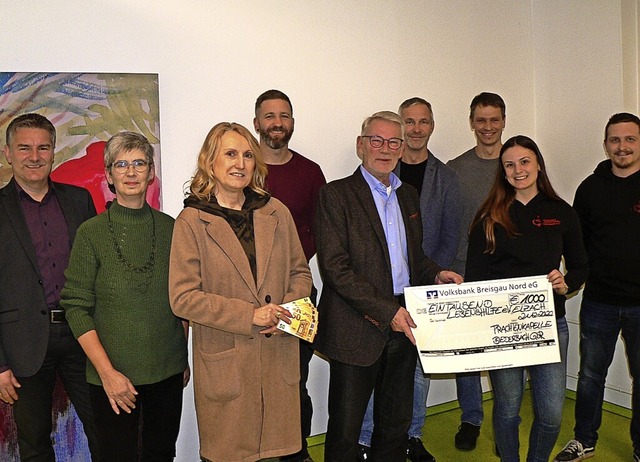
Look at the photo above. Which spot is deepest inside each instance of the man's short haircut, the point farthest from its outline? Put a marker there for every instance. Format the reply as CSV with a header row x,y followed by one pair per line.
x,y
383,115
412,102
487,99
620,118
31,120
272,94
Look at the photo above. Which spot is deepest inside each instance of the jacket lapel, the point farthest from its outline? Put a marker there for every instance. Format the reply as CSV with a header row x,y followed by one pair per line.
x,y
264,228
408,215
428,179
364,195
13,211
72,219
220,231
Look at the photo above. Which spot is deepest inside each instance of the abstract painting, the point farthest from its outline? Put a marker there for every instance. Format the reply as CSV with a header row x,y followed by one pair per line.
x,y
86,109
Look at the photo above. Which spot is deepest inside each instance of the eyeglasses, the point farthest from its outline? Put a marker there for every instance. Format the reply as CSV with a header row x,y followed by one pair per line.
x,y
122,166
378,141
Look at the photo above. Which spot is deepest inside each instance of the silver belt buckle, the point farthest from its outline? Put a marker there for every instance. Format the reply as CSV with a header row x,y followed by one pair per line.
x,y
56,316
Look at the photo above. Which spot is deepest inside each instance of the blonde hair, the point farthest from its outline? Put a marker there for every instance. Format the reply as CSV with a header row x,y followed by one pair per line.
x,y
203,183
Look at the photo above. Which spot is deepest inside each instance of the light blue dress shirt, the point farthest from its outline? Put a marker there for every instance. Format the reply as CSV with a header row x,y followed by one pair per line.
x,y
386,201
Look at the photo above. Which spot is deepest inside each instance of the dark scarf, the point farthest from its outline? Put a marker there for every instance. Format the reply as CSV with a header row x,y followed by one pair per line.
x,y
241,221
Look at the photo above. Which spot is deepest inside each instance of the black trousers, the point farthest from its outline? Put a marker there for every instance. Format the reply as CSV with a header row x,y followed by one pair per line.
x,y
306,407
32,410
159,404
350,387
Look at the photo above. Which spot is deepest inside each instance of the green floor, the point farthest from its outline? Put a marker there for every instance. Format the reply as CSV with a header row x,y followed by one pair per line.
x,y
614,444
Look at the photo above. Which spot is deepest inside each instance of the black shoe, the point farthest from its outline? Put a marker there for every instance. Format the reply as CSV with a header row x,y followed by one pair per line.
x,y
574,451
416,452
467,436
363,453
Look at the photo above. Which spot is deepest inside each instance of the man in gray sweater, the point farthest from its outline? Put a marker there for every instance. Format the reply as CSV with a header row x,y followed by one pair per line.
x,y
476,170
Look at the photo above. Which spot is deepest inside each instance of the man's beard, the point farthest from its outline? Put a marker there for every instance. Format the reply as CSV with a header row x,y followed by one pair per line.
x,y
622,163
277,143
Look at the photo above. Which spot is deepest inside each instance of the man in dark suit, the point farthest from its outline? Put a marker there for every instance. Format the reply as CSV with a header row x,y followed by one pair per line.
x,y
38,221
369,247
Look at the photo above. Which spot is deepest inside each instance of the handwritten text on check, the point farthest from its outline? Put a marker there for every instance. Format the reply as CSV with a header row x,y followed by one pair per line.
x,y
484,325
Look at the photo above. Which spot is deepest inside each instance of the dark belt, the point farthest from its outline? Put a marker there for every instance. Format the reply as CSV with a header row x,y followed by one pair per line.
x,y
56,315
400,300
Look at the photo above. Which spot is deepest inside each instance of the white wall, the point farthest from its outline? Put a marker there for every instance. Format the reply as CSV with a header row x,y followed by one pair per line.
x,y
558,65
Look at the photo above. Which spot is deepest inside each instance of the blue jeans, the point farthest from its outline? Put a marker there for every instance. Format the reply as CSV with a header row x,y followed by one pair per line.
x,y
600,325
548,383
469,390
421,382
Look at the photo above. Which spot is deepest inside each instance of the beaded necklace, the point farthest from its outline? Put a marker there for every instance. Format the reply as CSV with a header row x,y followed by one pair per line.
x,y
151,261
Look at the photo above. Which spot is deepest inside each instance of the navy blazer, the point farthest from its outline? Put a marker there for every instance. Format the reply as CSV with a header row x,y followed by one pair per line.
x,y
357,302
24,317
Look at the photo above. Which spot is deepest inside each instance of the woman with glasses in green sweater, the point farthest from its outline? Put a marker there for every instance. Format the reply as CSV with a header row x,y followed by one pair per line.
x,y
117,304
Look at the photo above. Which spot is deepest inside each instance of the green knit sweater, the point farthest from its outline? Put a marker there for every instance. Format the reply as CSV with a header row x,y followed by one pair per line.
x,y
120,290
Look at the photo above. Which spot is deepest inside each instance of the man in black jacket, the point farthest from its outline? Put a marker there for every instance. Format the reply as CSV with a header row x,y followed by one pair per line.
x,y
608,204
38,221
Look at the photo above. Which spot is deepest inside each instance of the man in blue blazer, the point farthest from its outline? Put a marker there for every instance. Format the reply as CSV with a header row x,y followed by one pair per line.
x,y
38,221
369,248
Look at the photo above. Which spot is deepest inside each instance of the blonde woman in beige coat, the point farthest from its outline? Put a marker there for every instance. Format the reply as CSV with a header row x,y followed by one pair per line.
x,y
235,256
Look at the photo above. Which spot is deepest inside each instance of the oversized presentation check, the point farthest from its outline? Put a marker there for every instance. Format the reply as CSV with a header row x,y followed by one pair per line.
x,y
484,325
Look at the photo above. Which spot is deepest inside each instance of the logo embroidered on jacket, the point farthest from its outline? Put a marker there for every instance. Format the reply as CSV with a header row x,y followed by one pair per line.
x,y
636,208
545,221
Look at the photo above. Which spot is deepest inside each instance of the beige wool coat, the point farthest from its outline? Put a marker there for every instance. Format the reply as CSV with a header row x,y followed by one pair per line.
x,y
246,385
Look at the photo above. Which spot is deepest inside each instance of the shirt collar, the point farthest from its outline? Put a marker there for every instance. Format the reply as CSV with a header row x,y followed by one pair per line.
x,y
377,185
24,195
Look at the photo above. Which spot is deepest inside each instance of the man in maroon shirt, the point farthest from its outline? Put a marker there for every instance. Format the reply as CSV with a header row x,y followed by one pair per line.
x,y
38,221
294,180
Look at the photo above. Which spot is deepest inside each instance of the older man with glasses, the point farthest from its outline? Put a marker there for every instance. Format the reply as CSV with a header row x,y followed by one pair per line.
x,y
369,243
